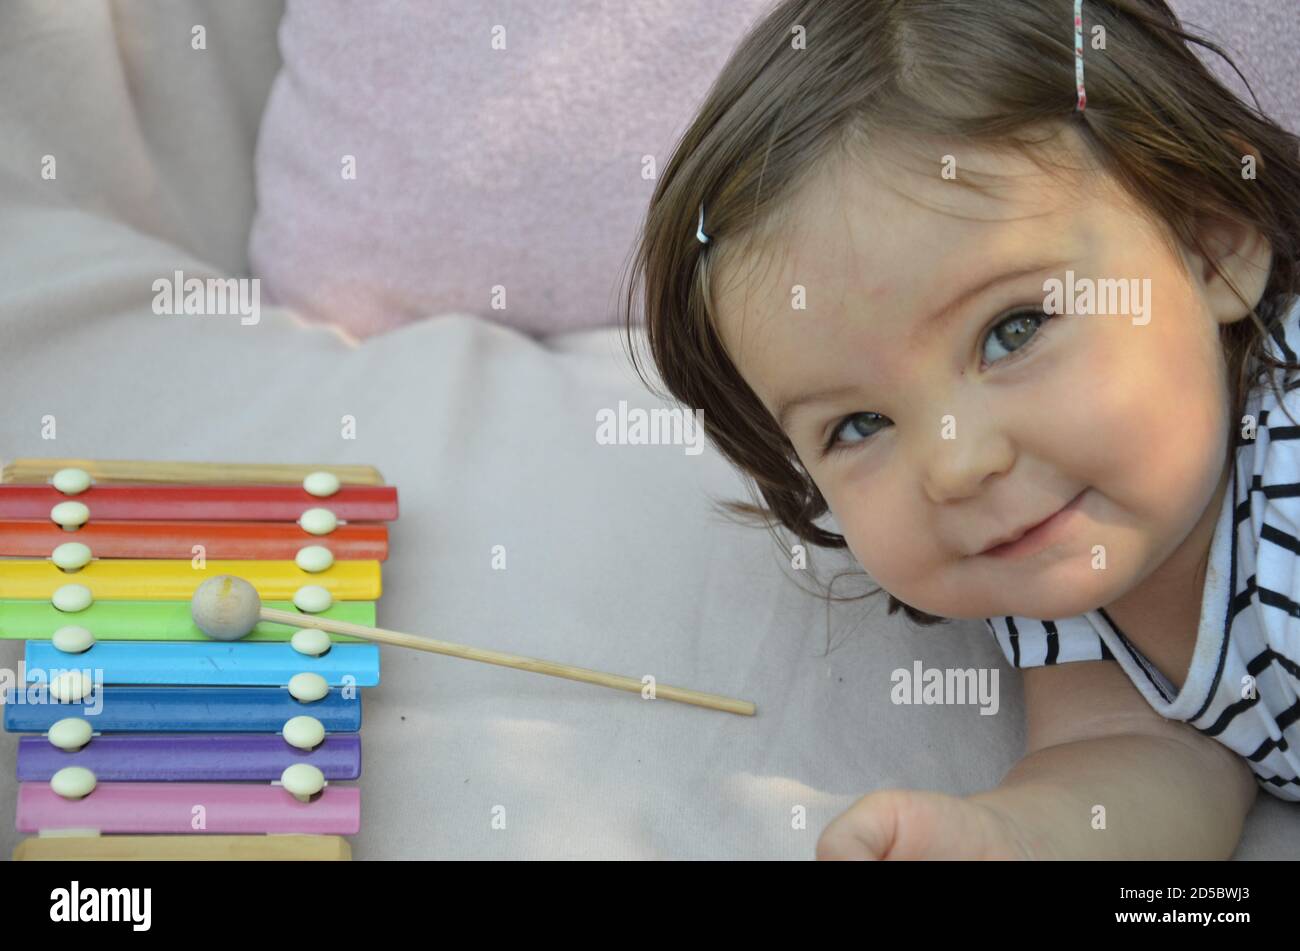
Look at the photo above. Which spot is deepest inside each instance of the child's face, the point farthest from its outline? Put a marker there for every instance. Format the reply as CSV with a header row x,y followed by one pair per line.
x,y
984,434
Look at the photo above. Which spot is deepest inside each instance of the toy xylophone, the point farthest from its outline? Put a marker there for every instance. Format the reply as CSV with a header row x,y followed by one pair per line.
x,y
145,737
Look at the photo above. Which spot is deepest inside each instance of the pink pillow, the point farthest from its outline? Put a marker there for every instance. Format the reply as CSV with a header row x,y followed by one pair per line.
x,y
475,167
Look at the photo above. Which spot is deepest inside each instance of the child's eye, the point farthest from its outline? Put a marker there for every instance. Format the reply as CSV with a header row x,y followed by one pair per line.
x,y
1013,333
1023,327
853,426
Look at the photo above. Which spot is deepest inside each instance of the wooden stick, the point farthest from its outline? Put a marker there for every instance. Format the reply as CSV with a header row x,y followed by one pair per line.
x,y
134,470
398,639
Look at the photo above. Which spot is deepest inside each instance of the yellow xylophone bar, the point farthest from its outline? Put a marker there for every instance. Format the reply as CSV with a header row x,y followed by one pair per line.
x,y
166,580
132,470
205,848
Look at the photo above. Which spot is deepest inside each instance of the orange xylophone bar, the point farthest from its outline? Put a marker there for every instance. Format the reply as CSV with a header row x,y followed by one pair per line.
x,y
258,541
359,503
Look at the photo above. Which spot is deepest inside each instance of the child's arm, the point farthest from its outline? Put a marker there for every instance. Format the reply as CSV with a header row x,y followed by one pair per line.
x,y
1168,791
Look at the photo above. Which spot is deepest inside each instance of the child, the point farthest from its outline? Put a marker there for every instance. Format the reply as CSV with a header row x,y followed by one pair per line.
x,y
1009,288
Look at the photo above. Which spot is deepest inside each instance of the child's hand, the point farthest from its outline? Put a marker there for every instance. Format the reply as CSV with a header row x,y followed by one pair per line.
x,y
914,824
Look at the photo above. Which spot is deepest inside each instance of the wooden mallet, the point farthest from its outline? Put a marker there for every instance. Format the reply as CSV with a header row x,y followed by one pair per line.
x,y
227,608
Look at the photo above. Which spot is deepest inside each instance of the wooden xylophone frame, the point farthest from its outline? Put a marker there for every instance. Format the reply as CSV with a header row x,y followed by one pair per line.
x,y
187,746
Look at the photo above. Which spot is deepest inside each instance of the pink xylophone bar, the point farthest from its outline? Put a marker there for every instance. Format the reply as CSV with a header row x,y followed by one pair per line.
x,y
228,808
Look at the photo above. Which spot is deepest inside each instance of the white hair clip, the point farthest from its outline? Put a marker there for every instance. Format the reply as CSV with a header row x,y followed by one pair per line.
x,y
699,230
1082,102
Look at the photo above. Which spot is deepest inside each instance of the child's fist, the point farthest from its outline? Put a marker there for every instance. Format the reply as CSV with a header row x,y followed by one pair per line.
x,y
913,824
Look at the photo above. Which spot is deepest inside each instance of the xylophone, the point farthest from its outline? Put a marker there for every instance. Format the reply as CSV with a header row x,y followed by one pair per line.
x,y
144,737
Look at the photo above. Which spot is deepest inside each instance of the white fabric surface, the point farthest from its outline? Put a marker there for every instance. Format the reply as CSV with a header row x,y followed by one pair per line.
x,y
615,558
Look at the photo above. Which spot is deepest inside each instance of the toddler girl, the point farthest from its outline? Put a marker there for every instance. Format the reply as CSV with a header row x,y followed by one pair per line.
x,y
1008,288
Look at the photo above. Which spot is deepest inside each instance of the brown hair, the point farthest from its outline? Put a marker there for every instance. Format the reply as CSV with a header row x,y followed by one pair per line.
x,y
983,71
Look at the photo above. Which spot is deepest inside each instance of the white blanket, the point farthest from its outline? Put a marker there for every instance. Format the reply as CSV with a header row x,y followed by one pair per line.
x,y
615,558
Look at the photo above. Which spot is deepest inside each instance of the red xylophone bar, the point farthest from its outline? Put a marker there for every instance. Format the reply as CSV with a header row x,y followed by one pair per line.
x,y
359,503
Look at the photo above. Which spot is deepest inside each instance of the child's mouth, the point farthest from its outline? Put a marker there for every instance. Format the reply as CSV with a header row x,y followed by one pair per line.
x,y
1038,536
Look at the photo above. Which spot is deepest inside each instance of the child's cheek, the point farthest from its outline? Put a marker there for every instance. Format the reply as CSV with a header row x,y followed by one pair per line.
x,y
881,532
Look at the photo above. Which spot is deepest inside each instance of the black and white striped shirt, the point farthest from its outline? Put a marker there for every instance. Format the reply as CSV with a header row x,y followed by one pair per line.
x,y
1243,685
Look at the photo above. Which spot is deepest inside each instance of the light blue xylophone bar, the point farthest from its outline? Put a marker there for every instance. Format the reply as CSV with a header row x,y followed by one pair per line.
x,y
206,663
182,709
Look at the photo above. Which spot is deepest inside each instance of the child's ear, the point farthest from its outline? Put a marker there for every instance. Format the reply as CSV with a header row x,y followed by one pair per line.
x,y
1244,258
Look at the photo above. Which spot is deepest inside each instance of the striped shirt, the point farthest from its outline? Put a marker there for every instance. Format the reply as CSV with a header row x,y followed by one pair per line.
x,y
1243,685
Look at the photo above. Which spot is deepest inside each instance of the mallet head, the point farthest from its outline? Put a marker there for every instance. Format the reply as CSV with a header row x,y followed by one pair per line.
x,y
225,607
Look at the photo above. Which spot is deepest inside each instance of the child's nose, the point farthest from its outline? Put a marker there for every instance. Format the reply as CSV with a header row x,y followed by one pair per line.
x,y
959,455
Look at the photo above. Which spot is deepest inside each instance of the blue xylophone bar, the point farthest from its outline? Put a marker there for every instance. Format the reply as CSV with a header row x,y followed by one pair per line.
x,y
206,663
182,709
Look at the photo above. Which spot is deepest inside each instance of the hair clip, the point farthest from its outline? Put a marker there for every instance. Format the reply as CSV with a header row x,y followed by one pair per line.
x,y
699,230
1078,56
